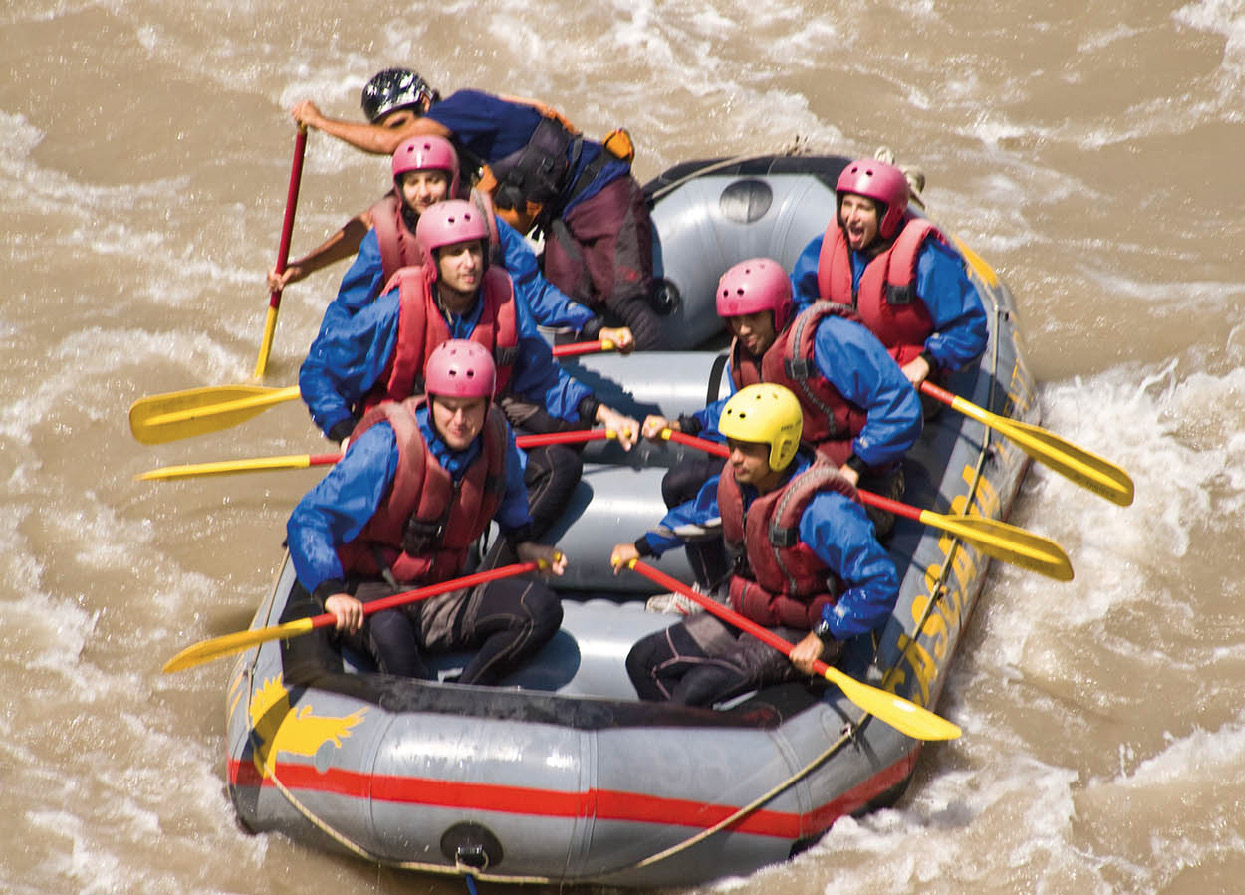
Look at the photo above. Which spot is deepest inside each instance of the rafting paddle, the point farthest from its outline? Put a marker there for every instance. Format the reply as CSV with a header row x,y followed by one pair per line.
x,y
157,419
994,538
229,644
305,461
1090,471
905,716
283,251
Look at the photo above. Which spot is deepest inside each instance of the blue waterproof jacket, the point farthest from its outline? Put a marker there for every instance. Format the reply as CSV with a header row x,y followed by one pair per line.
x,y
349,357
856,364
837,530
337,509
548,304
960,327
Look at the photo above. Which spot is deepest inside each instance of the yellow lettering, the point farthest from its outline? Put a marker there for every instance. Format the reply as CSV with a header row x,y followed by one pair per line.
x,y
987,497
934,626
923,665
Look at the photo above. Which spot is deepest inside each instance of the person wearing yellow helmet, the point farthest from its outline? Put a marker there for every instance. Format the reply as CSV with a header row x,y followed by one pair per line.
x,y
859,410
829,586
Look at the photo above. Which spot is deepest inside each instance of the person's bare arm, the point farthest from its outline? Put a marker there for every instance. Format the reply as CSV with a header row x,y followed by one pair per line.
x,y
342,244
369,137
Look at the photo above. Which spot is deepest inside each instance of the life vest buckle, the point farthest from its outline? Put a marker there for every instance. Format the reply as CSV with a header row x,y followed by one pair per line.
x,y
900,295
797,367
422,535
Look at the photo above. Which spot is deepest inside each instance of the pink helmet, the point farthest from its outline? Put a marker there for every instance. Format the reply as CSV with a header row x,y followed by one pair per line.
x,y
460,368
884,184
755,285
427,153
448,223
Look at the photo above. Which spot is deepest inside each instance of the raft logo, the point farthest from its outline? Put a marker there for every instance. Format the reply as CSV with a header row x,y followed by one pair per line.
x,y
275,727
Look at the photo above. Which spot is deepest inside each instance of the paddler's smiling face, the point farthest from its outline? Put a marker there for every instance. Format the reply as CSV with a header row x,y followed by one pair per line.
x,y
458,420
460,268
424,188
754,331
858,217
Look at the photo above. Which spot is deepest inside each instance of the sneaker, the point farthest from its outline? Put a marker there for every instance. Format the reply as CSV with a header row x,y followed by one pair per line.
x,y
675,604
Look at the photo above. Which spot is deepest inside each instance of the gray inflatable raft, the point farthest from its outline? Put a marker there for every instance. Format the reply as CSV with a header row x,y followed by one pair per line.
x,y
562,775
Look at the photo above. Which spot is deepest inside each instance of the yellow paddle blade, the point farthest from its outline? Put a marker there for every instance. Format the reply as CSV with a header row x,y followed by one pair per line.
x,y
1088,470
1077,464
225,467
207,650
198,411
906,717
1007,543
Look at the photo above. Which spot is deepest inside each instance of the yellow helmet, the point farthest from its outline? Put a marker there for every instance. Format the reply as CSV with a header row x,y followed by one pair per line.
x,y
765,414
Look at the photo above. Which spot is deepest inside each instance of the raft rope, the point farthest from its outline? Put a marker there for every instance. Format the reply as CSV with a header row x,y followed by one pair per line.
x,y
709,169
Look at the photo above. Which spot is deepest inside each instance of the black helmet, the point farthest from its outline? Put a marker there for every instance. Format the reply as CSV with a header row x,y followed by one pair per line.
x,y
396,88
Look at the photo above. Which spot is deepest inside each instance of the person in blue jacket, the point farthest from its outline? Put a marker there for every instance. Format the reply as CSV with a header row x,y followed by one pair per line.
x,y
380,352
543,176
898,272
833,588
400,510
859,410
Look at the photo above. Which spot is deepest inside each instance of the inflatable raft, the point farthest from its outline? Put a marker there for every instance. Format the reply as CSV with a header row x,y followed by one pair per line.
x,y
562,775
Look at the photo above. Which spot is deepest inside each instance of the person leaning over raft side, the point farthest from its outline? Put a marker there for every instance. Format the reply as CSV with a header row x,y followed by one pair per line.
x,y
898,272
834,585
859,411
542,174
426,171
421,481
379,353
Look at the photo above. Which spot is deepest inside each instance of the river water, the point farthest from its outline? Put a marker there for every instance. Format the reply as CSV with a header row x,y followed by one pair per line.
x,y
1090,151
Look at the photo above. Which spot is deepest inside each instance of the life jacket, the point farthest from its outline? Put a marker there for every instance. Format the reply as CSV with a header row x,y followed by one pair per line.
x,y
421,328
886,299
830,420
528,184
779,580
396,241
424,526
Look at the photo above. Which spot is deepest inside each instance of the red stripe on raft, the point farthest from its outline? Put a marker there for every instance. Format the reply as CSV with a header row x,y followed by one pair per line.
x,y
607,805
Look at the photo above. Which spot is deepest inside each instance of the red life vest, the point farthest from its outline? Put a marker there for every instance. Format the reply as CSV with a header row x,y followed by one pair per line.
x,y
830,421
421,328
396,241
784,581
425,509
886,299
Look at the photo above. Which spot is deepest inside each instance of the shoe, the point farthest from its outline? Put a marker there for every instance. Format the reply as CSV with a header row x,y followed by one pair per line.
x,y
676,604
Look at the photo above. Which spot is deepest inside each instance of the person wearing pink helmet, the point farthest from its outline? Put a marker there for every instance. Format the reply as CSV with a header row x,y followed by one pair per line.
x,y
401,509
425,170
897,271
543,175
379,353
859,411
